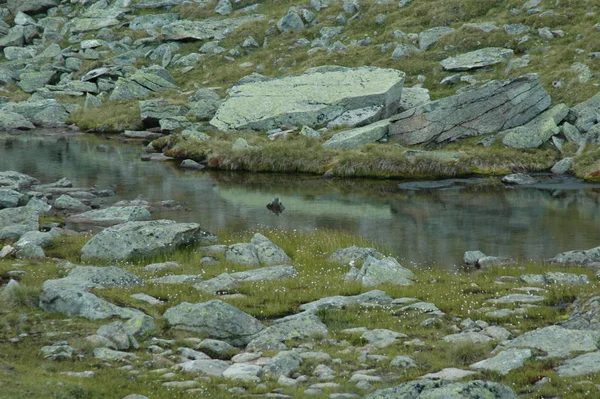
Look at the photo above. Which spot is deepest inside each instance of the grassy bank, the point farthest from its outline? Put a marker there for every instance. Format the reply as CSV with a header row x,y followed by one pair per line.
x,y
298,154
24,374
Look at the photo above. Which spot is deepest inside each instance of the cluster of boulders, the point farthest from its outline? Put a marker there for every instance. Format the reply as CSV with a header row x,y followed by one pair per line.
x,y
371,102
231,344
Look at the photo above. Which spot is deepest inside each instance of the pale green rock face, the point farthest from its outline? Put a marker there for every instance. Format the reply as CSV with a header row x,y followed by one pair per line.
x,y
358,137
310,99
538,131
477,59
206,29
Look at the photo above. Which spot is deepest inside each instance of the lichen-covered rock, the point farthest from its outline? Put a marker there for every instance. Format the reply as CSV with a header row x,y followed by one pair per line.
x,y
477,59
205,29
493,107
577,257
214,319
133,239
310,99
295,327
268,252
385,271
71,296
557,341
358,137
354,255
441,388
539,130
11,120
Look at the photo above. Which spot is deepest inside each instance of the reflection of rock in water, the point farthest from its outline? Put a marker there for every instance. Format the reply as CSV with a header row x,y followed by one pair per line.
x,y
276,206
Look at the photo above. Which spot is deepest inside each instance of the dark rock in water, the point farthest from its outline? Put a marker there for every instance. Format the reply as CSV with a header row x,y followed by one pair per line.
x,y
276,206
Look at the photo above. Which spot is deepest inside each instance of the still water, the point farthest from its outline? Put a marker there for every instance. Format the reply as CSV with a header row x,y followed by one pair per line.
x,y
420,224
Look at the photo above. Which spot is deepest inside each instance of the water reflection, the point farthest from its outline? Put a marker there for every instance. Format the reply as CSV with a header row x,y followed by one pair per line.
x,y
420,223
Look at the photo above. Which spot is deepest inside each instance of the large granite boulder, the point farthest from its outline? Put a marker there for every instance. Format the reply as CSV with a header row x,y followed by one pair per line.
x,y
537,131
152,111
493,107
70,295
44,113
214,319
477,59
133,239
205,29
32,81
442,388
310,99
15,180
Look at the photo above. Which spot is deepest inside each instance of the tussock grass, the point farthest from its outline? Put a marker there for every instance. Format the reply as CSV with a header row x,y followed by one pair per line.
x,y
297,154
113,116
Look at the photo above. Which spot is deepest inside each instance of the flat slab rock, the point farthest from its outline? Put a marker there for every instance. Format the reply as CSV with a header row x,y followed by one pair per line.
x,y
557,341
205,29
493,107
215,319
310,99
133,239
477,59
442,388
505,361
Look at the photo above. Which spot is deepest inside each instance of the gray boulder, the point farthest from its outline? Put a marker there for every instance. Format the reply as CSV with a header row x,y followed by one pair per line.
x,y
11,120
32,81
562,166
38,238
45,113
358,137
588,363
152,111
442,388
557,341
205,29
577,257
15,180
112,215
371,298
204,104
242,254
209,367
354,255
15,222
133,239
30,6
537,131
385,271
586,114
68,203
71,296
221,283
57,352
477,59
290,22
284,363
429,37
295,327
214,319
126,89
585,314
217,349
310,99
518,179
505,361
268,252
266,274
30,251
11,198
495,106
144,22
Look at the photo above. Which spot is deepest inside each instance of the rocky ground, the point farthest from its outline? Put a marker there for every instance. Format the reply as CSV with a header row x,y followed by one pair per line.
x,y
250,86
161,309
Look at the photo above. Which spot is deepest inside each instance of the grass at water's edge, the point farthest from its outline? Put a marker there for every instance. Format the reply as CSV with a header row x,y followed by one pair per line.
x,y
24,374
298,154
